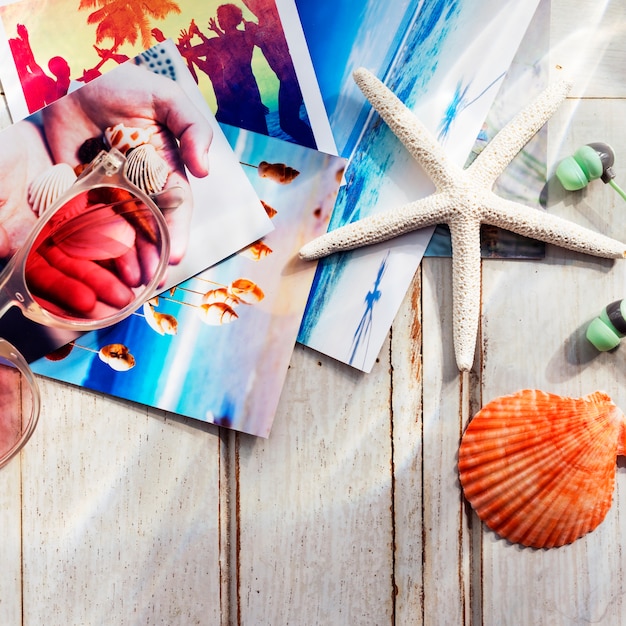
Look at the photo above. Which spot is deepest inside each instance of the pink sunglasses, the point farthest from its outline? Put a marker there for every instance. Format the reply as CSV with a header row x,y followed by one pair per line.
x,y
92,259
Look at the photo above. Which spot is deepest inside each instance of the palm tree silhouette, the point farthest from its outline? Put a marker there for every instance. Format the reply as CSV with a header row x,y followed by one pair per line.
x,y
126,22
361,337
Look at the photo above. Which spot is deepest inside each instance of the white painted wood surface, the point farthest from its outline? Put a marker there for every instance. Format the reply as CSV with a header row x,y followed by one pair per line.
x,y
351,512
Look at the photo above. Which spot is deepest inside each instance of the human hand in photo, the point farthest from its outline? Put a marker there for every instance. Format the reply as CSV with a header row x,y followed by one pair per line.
x,y
23,157
63,282
92,254
71,287
137,98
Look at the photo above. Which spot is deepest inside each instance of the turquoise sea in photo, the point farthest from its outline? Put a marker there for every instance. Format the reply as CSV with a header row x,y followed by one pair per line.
x,y
409,61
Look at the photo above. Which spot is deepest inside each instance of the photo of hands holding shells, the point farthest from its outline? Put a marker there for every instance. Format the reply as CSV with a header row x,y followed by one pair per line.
x,y
175,153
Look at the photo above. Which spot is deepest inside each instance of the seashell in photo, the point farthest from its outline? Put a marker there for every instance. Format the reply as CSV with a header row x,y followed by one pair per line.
x,y
44,190
278,172
162,323
270,210
60,353
90,149
217,313
220,294
538,468
125,138
117,357
146,168
246,291
256,251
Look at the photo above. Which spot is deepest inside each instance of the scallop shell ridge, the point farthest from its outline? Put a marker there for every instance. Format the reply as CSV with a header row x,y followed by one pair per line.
x,y
46,188
539,468
146,168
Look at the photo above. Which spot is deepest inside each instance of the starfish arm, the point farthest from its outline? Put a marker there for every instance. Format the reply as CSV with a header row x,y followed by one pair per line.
x,y
408,129
465,236
379,227
544,226
501,150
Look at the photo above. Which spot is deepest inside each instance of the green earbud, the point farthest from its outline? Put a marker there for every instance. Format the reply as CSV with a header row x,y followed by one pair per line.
x,y
590,162
606,331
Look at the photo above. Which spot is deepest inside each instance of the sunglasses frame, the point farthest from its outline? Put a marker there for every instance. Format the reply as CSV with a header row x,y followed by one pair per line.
x,y
106,170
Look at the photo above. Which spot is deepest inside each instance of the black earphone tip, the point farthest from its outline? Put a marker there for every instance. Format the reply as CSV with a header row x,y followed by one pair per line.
x,y
607,157
608,174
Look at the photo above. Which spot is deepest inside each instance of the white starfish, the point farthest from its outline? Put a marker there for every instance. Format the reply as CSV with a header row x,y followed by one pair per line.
x,y
463,200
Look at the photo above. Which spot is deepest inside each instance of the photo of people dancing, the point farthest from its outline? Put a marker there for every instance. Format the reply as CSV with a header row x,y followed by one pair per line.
x,y
236,51
224,53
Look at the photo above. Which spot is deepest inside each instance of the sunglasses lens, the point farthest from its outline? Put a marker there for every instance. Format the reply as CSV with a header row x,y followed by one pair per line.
x,y
97,255
18,410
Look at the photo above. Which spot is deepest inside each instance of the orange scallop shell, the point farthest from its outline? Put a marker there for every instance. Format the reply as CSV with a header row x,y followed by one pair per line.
x,y
538,468
117,357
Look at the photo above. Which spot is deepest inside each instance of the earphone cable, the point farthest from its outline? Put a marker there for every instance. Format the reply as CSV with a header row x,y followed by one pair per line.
x,y
617,188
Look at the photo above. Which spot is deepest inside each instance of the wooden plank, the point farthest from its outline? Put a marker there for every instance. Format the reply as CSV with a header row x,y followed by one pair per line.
x,y
351,512
228,530
587,39
407,390
11,527
120,515
315,501
447,395
580,583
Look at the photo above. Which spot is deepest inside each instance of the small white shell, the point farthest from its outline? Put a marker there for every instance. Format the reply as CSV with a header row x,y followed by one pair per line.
x,y
217,313
246,291
117,357
221,294
44,190
124,138
162,323
146,169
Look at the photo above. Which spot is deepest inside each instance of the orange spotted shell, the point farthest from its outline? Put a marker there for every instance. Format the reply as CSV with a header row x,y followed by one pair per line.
x,y
538,468
125,138
278,172
245,291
